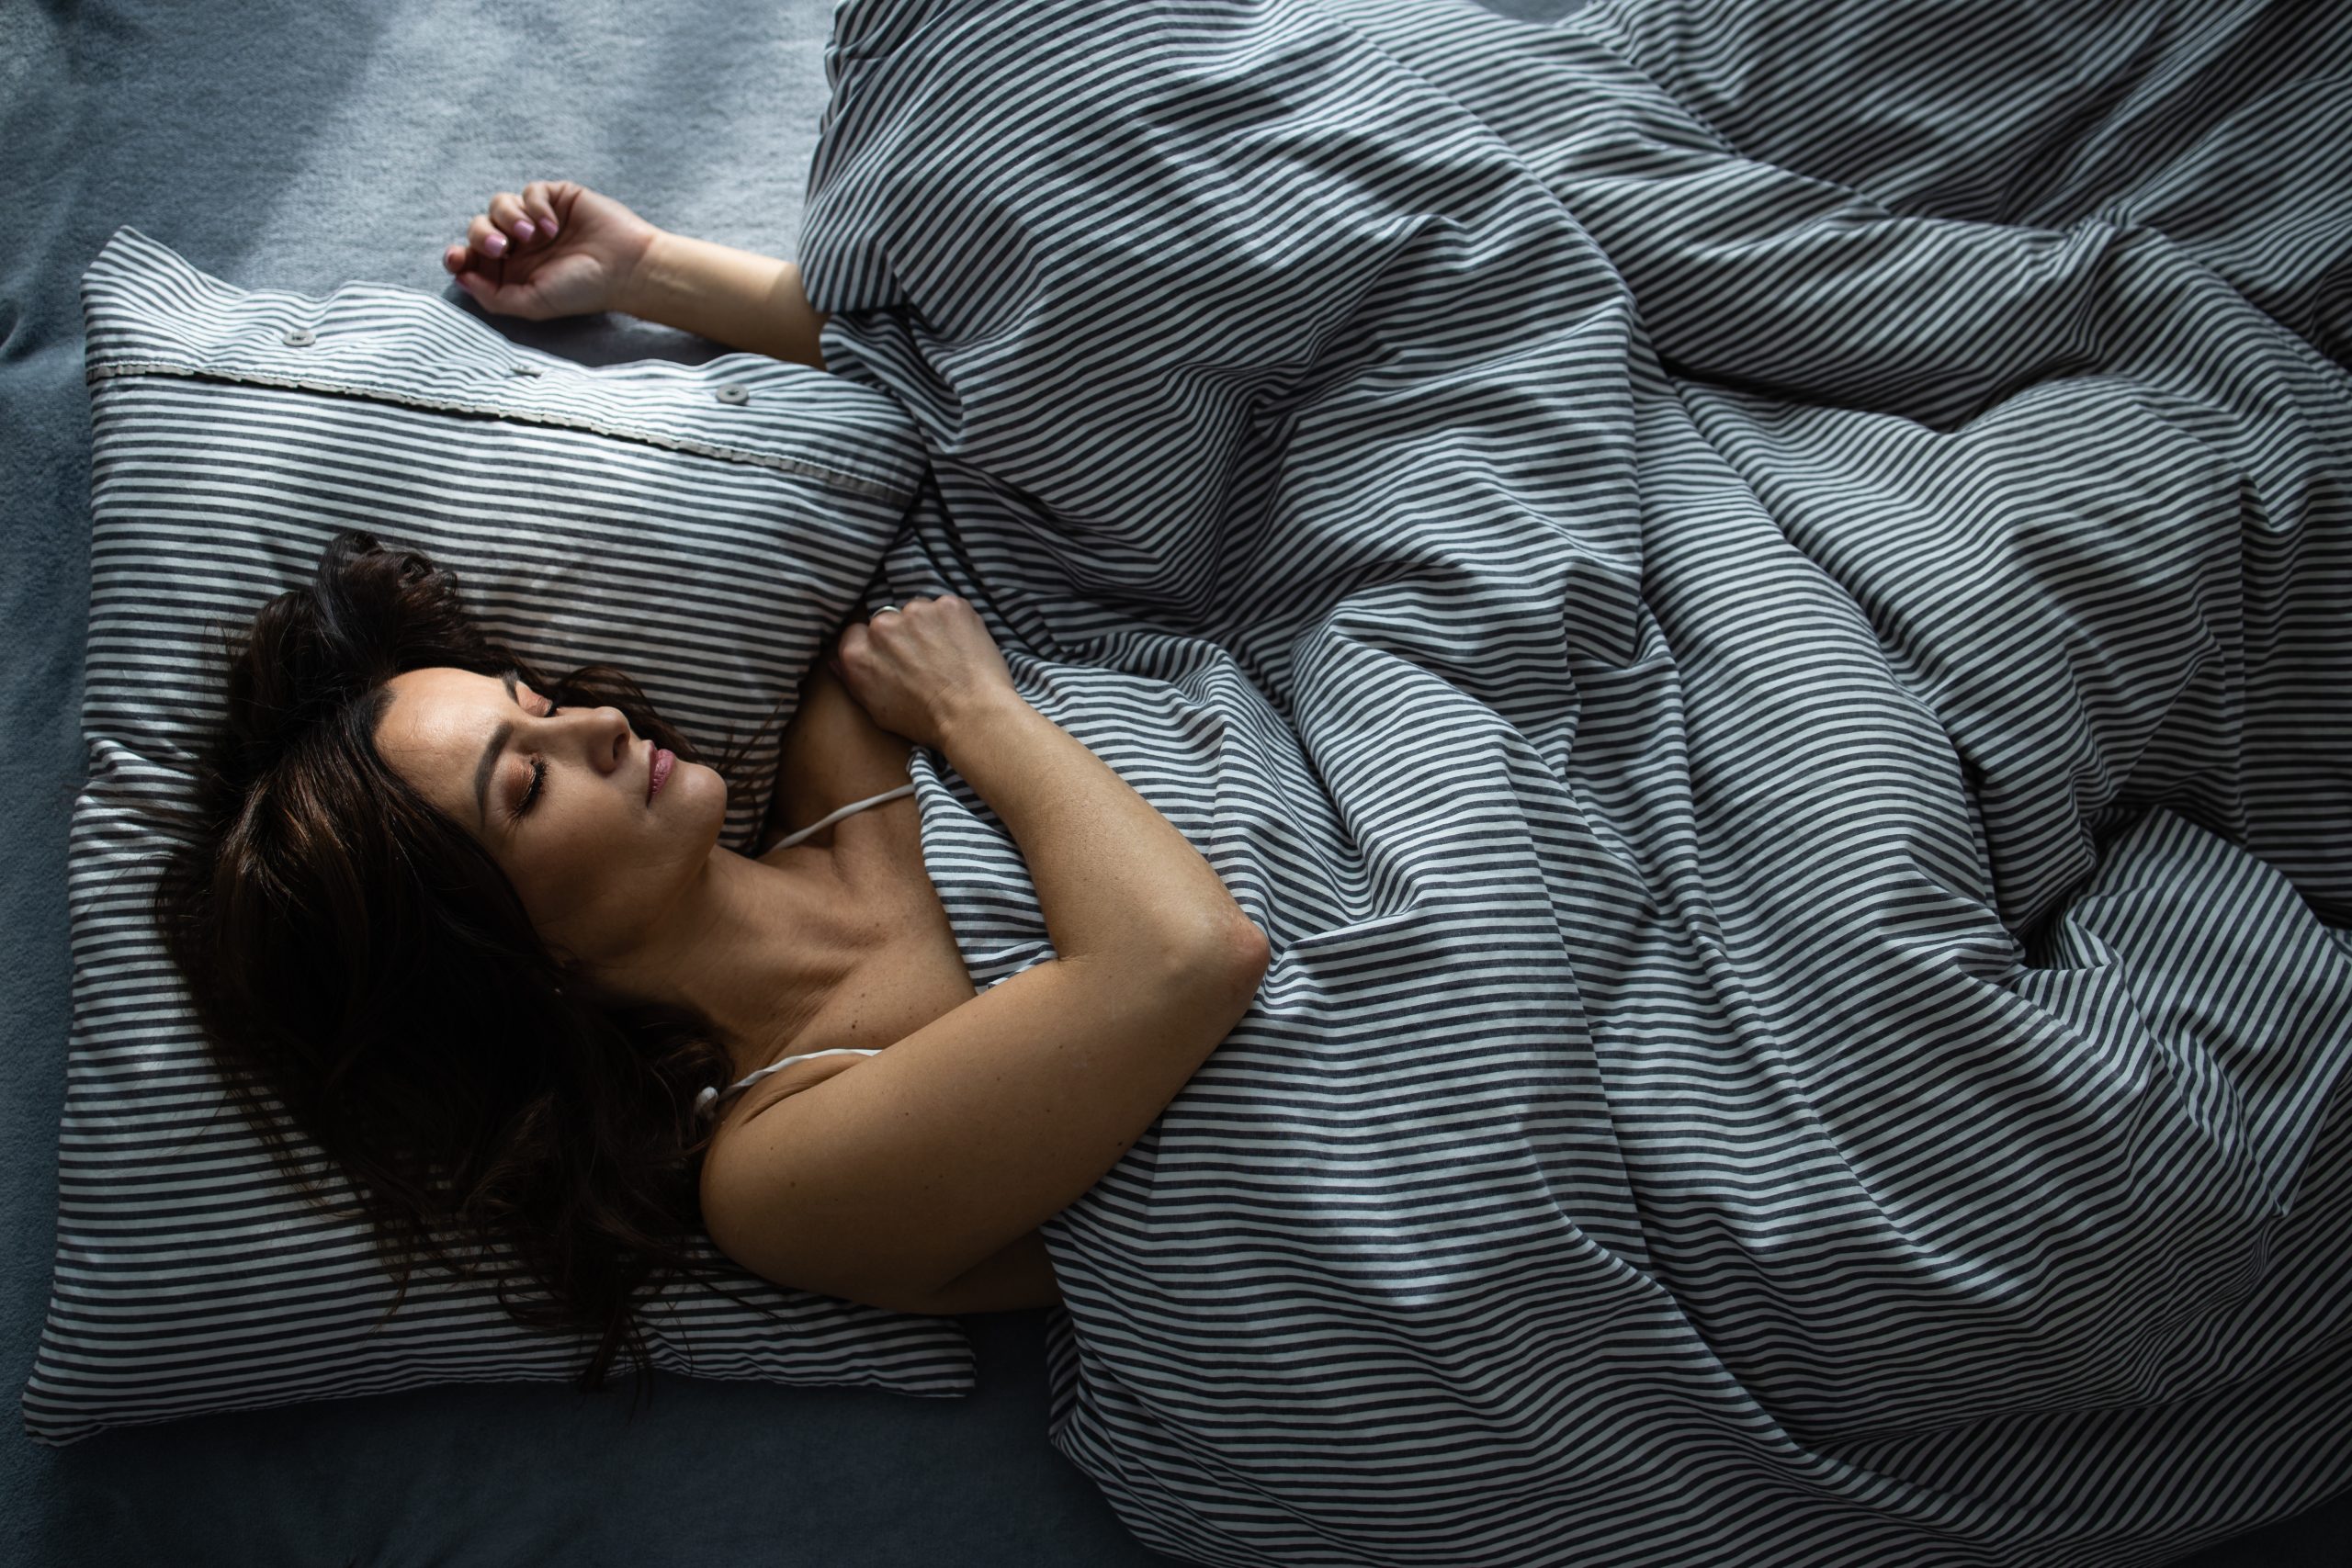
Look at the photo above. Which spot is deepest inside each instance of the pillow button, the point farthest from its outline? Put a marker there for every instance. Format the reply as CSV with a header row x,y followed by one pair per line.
x,y
735,395
524,370
300,338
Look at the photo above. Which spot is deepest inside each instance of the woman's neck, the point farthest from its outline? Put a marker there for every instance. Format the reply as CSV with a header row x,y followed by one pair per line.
x,y
757,946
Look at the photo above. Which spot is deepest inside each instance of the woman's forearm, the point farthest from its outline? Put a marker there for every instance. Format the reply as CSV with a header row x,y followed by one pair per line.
x,y
1114,878
737,297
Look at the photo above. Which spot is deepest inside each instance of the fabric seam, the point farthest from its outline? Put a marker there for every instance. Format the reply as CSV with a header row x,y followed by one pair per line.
x,y
123,368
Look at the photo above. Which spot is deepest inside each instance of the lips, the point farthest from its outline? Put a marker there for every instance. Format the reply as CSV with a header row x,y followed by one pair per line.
x,y
657,773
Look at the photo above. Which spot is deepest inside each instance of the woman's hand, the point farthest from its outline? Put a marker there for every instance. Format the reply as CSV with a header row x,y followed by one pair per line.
x,y
558,249
923,668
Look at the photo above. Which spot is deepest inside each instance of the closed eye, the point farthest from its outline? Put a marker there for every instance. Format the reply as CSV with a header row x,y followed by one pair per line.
x,y
539,772
539,780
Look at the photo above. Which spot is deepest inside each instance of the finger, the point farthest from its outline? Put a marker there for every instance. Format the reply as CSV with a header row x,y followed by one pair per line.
x,y
561,194
484,239
485,291
506,212
500,298
539,205
453,259
853,644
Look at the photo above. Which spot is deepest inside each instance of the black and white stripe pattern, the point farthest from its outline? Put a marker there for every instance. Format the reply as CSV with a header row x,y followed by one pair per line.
x,y
626,515
1787,721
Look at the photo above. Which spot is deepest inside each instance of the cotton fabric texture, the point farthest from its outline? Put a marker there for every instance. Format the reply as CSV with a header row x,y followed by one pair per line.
x,y
1758,599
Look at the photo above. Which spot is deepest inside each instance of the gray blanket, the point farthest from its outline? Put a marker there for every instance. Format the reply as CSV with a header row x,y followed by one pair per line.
x,y
1759,610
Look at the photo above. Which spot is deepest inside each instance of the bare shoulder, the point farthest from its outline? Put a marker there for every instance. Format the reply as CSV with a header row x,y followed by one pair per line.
x,y
774,1090
722,1188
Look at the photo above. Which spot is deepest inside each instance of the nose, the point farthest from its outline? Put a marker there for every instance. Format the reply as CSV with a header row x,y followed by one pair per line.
x,y
604,734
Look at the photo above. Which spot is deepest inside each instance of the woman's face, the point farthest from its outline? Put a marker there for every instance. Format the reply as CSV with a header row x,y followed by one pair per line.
x,y
558,796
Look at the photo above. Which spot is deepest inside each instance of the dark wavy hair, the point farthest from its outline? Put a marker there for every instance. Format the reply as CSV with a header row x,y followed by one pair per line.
x,y
353,951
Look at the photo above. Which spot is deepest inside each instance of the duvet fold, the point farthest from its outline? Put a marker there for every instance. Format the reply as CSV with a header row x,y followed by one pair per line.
x,y
1772,658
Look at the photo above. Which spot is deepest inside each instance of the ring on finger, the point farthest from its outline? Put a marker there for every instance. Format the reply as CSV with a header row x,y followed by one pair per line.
x,y
888,610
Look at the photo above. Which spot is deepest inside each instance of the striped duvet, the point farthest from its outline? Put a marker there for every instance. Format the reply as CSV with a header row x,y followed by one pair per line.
x,y
1758,603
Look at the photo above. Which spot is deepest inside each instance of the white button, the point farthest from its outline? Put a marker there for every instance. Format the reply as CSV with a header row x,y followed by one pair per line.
x,y
524,370
299,338
733,395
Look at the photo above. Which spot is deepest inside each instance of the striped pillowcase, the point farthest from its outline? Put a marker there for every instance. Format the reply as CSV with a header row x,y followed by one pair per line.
x,y
704,528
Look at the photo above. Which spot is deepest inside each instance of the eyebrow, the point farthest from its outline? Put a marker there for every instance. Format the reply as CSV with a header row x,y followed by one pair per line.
x,y
498,739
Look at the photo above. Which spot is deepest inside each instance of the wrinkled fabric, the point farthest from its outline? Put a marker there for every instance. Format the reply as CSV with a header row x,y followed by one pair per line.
x,y
1770,657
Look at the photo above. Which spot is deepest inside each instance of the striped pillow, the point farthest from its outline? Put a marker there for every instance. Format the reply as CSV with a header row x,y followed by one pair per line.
x,y
704,528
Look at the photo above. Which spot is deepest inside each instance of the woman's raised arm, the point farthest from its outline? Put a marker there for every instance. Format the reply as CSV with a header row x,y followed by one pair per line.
x,y
737,297
888,1180
557,248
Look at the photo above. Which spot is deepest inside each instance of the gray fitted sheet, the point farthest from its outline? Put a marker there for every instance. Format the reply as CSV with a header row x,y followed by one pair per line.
x,y
299,146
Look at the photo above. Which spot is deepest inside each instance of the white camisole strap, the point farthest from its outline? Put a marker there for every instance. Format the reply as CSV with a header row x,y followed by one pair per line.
x,y
708,1096
852,809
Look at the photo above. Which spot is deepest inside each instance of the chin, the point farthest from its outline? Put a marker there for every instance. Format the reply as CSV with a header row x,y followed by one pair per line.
x,y
705,794
715,788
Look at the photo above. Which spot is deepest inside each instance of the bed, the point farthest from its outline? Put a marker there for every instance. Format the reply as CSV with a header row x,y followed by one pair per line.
x,y
341,143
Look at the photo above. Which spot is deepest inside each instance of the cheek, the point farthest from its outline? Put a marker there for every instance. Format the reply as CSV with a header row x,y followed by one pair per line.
x,y
554,882
605,865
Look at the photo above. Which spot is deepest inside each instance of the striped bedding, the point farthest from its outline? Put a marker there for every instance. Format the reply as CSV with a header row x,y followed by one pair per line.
x,y
1759,604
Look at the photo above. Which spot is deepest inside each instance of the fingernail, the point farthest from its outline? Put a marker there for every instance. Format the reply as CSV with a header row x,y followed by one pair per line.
x,y
493,243
523,231
547,229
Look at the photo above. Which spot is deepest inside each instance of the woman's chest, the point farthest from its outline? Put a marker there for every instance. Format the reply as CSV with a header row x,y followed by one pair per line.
x,y
908,970
909,974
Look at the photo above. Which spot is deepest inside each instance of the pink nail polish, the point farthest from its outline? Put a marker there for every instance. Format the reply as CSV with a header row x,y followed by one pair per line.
x,y
494,245
547,229
523,231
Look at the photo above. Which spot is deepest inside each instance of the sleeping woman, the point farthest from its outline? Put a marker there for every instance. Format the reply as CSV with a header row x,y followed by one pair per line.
x,y
473,925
